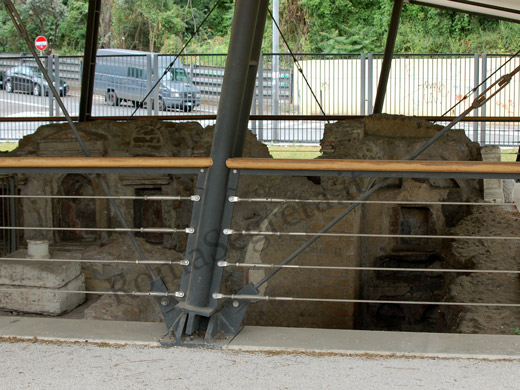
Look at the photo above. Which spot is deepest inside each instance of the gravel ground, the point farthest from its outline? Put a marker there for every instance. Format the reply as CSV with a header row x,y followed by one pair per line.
x,y
27,365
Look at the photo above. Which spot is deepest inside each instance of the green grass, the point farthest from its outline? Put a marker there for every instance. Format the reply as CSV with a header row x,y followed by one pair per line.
x,y
294,151
8,146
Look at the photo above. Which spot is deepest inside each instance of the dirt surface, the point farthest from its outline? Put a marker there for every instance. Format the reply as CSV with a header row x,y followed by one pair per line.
x,y
486,221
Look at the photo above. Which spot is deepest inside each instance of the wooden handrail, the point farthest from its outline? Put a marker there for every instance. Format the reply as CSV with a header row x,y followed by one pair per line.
x,y
105,162
375,165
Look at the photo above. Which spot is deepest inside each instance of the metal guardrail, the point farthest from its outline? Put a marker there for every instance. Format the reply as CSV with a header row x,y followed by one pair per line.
x,y
420,85
208,78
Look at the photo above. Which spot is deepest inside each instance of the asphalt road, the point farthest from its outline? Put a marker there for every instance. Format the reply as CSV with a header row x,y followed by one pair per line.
x,y
22,104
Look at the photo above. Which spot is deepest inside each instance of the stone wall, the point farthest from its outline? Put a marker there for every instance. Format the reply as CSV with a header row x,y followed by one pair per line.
x,y
376,137
384,137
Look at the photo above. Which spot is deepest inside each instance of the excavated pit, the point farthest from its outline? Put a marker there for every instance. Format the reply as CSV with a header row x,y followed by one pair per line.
x,y
376,137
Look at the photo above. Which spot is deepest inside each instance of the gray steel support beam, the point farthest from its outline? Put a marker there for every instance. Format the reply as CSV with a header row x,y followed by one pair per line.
x,y
89,61
387,59
251,79
197,279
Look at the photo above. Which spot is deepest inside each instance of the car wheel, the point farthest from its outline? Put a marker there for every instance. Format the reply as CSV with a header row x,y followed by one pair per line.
x,y
36,90
188,108
112,99
8,86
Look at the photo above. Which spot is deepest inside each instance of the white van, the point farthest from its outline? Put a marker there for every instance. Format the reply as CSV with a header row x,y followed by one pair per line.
x,y
124,75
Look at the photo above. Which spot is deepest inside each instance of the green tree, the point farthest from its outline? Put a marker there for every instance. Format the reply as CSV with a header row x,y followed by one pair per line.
x,y
73,28
45,17
309,26
144,24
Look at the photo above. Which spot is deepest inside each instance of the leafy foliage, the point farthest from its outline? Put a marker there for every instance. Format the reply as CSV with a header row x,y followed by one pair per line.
x,y
332,26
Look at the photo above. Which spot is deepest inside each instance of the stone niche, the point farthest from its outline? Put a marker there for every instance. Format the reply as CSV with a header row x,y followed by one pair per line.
x,y
376,137
107,139
384,137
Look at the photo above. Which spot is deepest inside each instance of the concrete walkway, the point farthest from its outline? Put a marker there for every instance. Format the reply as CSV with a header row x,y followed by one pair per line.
x,y
125,355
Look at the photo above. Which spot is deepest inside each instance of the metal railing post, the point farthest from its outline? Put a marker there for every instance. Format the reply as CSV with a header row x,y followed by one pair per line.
x,y
362,87
275,92
476,81
370,87
260,131
253,107
57,81
483,138
149,83
155,78
50,69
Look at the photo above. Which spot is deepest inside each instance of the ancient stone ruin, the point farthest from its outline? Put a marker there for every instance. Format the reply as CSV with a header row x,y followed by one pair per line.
x,y
375,137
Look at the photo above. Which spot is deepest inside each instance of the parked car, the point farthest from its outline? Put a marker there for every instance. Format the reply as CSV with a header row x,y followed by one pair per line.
x,y
27,78
123,75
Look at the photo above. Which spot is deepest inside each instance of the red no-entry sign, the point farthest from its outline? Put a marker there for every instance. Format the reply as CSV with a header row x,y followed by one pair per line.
x,y
41,43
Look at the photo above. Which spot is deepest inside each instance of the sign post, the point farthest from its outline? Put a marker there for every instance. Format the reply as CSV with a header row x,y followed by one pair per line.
x,y
41,43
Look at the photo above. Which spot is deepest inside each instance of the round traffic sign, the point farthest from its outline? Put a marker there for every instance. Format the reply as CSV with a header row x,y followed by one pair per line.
x,y
40,42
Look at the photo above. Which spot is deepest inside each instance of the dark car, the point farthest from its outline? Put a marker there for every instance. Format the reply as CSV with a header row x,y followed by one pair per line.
x,y
28,78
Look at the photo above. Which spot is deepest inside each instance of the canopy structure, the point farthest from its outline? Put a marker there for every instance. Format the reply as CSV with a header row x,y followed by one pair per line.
x,y
500,9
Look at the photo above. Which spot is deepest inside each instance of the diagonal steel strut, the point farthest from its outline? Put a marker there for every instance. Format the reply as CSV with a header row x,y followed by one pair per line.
x,y
20,26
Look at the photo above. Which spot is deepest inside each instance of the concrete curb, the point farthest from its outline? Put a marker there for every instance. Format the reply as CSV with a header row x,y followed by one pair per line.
x,y
271,340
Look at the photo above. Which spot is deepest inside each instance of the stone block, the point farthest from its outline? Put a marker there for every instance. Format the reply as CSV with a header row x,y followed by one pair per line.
x,y
45,274
508,185
48,301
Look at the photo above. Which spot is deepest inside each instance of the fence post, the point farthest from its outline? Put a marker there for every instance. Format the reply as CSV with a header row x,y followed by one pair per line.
x,y
362,64
155,77
57,81
50,70
253,106
260,130
370,87
476,80
148,83
275,80
483,108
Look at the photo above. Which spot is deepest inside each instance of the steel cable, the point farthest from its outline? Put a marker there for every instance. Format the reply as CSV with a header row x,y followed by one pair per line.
x,y
224,264
340,300
140,262
349,201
